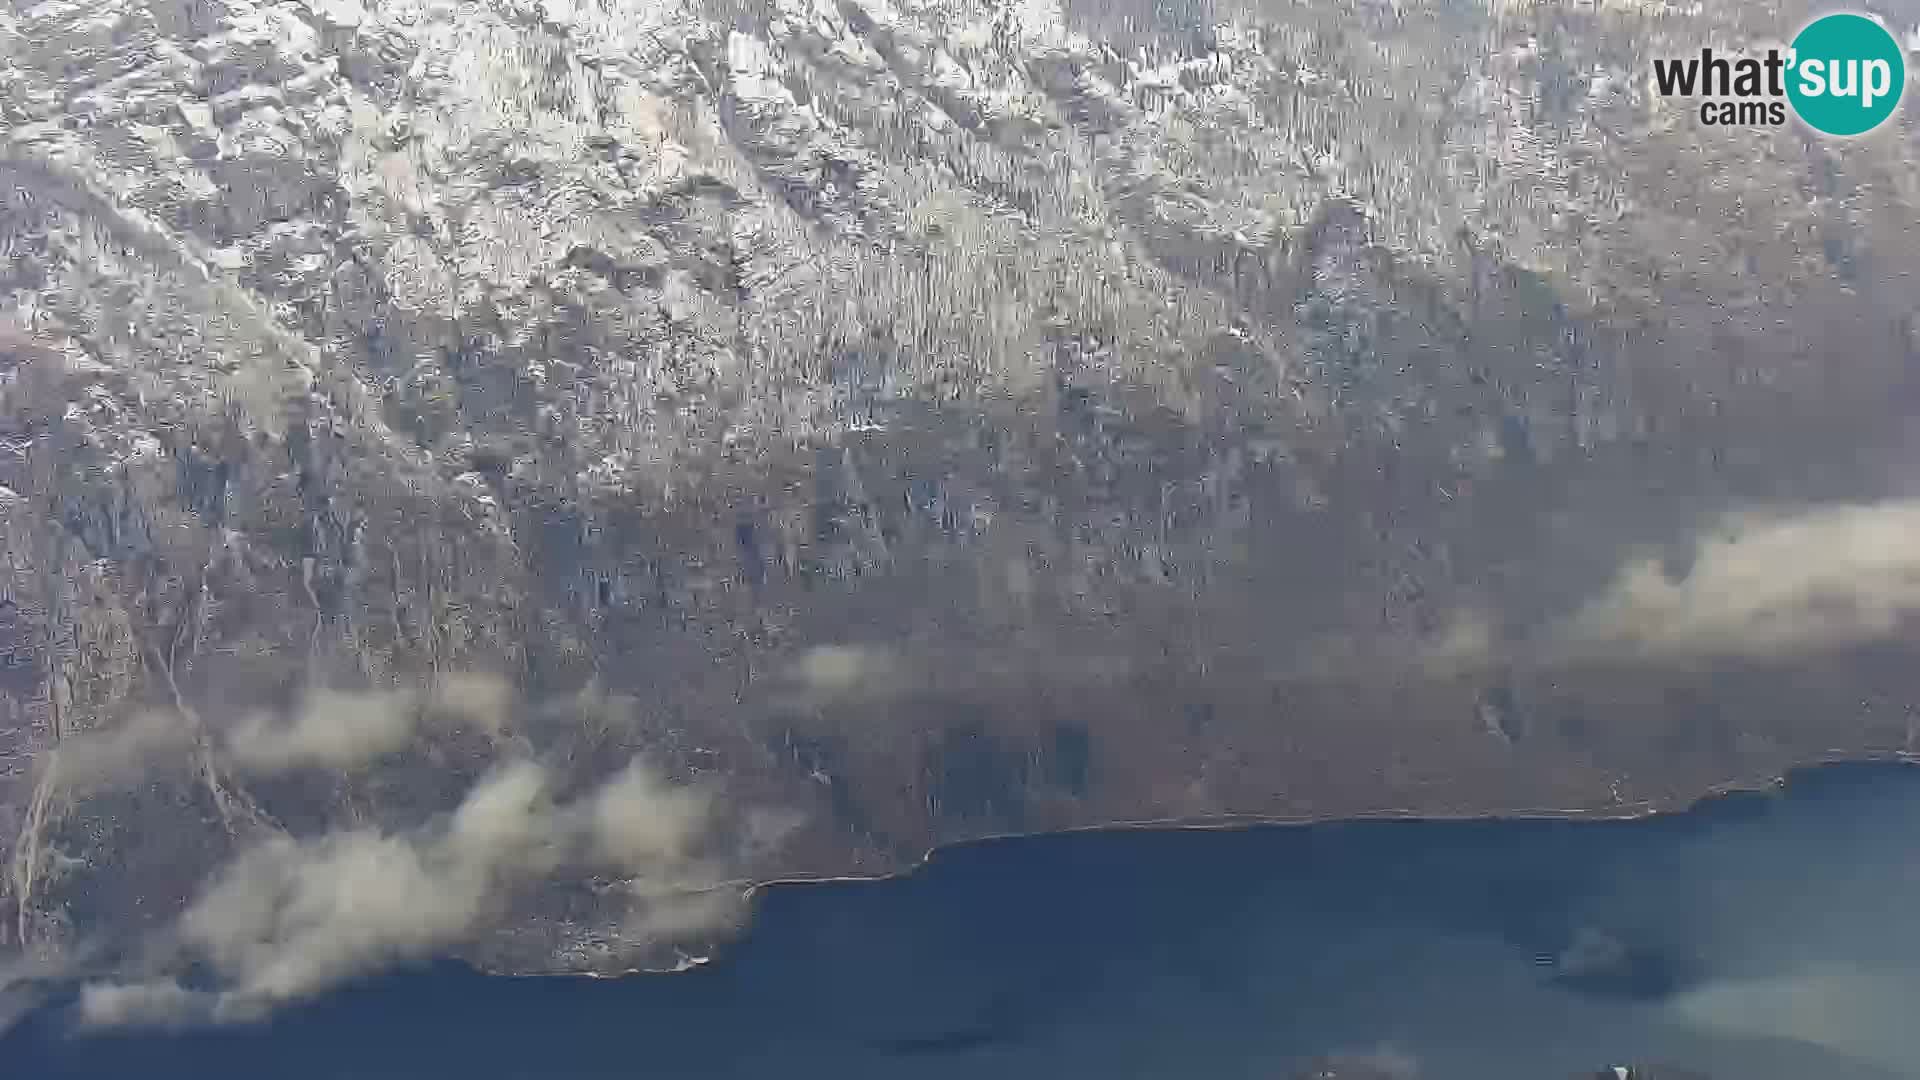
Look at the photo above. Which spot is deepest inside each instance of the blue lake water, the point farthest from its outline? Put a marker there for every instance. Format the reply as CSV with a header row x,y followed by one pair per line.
x,y
1759,937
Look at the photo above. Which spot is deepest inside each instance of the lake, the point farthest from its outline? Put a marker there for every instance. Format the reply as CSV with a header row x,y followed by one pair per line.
x,y
1757,937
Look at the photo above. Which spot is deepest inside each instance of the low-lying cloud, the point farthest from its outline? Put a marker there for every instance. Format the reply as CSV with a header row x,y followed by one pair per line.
x,y
326,729
836,673
1756,586
113,758
1862,1015
334,729
160,1003
639,823
290,916
1761,587
329,729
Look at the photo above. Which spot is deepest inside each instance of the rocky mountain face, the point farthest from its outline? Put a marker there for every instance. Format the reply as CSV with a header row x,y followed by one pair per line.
x,y
577,458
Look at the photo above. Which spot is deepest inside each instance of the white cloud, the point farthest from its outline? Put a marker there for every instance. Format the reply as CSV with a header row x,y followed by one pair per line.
x,y
162,1003
1761,586
119,757
337,729
292,917
329,729
1864,1016
638,822
834,672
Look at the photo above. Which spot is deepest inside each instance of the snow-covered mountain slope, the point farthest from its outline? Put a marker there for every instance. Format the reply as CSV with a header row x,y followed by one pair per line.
x,y
837,429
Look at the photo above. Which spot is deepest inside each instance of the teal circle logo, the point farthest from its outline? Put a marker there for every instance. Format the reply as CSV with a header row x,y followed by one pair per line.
x,y
1846,74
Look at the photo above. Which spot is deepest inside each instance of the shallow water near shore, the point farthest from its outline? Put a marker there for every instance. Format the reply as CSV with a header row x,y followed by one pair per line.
x,y
1756,937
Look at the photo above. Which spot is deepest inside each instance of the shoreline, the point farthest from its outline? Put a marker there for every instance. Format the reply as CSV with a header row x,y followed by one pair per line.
x,y
1626,813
